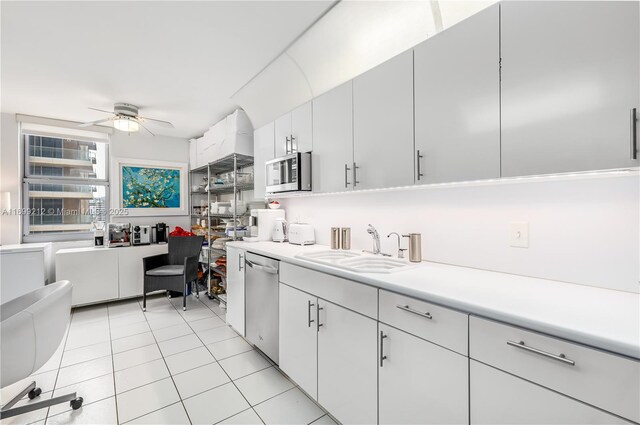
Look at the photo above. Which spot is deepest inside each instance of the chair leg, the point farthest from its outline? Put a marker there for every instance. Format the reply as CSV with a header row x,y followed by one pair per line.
x,y
197,289
144,300
184,298
7,411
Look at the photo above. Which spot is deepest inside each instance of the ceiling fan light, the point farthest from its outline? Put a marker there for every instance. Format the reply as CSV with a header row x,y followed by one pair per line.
x,y
126,124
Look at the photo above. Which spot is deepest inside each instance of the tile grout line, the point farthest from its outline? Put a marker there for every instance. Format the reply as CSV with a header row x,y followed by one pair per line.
x,y
168,370
222,368
55,383
113,368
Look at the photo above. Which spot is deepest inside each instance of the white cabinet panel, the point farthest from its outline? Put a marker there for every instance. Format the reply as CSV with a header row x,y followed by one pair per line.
x,y
383,124
193,154
294,131
457,101
302,128
263,148
298,343
570,75
604,380
420,382
93,273
347,368
235,289
332,157
130,272
441,325
283,135
352,295
499,398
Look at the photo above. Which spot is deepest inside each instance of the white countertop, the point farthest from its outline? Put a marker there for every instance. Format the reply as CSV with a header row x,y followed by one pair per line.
x,y
601,318
104,248
25,247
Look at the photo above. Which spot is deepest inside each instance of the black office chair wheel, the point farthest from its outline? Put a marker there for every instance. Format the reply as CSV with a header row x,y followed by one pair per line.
x,y
34,393
77,403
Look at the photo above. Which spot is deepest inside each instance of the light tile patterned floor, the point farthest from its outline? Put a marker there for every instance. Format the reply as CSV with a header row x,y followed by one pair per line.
x,y
163,366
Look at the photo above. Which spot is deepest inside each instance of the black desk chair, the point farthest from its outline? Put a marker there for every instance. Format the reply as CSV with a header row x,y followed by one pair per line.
x,y
175,270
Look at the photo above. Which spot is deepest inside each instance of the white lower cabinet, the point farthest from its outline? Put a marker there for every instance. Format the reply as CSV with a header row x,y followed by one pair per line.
x,y
500,398
235,289
298,343
420,382
347,382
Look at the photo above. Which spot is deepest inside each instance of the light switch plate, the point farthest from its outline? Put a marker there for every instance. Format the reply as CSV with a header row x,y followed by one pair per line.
x,y
519,234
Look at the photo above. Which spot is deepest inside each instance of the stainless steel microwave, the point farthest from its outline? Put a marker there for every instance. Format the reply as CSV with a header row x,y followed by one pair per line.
x,y
289,173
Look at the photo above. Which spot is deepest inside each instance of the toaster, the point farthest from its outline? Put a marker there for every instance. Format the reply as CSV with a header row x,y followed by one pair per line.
x,y
301,234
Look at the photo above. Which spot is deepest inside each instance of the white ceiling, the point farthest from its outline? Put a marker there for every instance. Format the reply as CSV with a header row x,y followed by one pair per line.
x,y
178,61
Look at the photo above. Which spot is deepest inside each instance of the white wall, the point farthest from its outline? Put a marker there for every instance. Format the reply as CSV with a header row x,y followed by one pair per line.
x,y
582,230
142,146
9,177
137,146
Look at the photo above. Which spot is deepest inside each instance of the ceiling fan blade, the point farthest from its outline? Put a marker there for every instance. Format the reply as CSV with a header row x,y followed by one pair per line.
x,y
87,124
141,125
159,122
101,110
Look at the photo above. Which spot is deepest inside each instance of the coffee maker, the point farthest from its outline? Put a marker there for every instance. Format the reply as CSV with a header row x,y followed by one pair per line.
x,y
161,233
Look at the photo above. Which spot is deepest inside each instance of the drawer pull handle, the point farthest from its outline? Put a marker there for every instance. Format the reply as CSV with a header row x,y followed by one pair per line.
x,y
561,357
426,315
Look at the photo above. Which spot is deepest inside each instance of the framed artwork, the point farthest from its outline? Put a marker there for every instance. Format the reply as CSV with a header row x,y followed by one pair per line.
x,y
149,188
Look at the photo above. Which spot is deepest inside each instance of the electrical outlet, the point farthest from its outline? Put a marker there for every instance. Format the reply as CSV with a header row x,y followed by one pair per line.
x,y
519,234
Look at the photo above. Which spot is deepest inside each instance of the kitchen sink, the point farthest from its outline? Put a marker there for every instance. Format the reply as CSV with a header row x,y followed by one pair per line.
x,y
357,262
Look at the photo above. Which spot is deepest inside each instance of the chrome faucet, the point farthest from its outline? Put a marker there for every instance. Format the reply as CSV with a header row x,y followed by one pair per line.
x,y
376,242
400,250
376,239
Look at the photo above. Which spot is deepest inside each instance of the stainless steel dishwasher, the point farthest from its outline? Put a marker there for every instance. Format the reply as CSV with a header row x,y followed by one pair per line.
x,y
261,303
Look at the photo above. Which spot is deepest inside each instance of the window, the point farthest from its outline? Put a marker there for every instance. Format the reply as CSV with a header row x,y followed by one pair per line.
x,y
65,182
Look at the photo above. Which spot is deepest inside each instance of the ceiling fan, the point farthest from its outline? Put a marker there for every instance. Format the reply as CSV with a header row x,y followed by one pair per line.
x,y
125,118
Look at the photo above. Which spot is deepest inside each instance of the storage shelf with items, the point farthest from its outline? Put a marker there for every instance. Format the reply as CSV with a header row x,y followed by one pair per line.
x,y
219,212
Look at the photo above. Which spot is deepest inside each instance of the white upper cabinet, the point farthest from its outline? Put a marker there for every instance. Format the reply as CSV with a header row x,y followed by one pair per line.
x,y
332,157
570,77
294,131
383,124
193,154
457,101
263,151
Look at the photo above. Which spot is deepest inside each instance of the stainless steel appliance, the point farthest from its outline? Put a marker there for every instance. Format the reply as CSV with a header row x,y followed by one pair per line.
x,y
261,303
141,235
119,234
289,173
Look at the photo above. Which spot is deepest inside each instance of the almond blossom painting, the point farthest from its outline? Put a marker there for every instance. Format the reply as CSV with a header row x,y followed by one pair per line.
x,y
149,187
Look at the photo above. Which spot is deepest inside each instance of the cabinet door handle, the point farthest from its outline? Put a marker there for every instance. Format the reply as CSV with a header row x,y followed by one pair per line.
x,y
292,148
634,133
346,176
318,324
286,145
309,319
382,356
418,158
559,357
240,262
406,308
355,174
